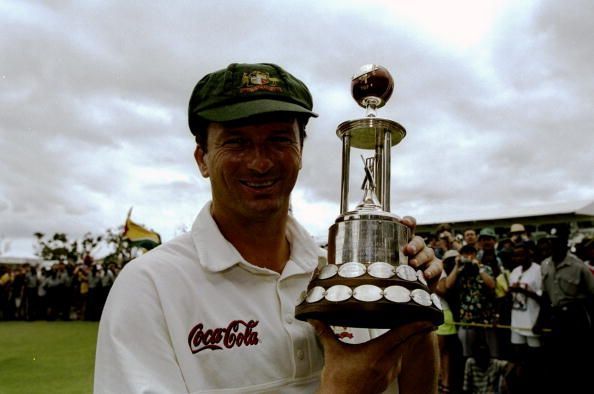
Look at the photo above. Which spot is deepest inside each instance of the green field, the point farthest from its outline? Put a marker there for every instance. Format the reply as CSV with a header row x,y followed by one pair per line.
x,y
47,357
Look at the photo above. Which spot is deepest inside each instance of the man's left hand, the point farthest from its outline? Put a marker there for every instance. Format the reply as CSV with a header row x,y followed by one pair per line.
x,y
421,256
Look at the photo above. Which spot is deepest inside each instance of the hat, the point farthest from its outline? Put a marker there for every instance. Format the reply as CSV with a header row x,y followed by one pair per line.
x,y
517,228
487,232
243,90
450,253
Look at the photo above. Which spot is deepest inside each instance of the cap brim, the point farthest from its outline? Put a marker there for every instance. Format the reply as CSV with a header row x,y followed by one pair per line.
x,y
246,109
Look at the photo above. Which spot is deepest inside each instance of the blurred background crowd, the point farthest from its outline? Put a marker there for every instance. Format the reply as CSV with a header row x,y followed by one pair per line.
x,y
62,290
517,308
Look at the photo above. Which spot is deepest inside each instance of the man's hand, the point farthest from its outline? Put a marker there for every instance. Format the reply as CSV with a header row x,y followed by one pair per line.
x,y
422,257
408,352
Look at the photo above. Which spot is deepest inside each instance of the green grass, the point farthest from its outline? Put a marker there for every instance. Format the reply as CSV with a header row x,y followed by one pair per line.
x,y
47,357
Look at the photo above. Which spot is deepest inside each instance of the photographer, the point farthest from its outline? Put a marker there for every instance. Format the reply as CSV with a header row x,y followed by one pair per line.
x,y
474,284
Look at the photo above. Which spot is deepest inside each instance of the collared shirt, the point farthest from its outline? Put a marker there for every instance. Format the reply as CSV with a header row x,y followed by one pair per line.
x,y
479,381
192,316
568,281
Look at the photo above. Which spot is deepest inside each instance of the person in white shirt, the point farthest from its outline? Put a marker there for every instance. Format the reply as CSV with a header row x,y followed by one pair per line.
x,y
526,287
213,309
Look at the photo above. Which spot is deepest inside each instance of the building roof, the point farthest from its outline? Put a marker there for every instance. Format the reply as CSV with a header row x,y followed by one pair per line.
x,y
575,208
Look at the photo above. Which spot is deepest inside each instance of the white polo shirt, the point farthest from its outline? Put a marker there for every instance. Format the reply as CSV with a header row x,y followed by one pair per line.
x,y
192,316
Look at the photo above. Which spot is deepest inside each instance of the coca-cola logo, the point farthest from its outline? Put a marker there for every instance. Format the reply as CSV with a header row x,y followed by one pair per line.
x,y
237,333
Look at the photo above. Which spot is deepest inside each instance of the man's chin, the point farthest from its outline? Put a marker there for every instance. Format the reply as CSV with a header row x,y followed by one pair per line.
x,y
266,209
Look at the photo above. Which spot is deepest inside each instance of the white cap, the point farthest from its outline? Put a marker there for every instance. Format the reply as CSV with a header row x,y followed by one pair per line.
x,y
517,228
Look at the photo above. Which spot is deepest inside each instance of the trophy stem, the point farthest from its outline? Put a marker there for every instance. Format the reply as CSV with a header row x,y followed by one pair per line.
x,y
346,159
386,170
379,172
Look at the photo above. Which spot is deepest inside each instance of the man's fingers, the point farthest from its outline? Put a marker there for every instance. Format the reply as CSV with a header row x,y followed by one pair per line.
x,y
410,222
433,271
416,245
397,336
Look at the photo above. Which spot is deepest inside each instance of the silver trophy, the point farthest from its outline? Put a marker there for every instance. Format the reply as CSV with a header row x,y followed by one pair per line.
x,y
367,281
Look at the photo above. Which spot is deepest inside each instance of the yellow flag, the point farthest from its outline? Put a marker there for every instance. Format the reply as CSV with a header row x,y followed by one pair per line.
x,y
141,236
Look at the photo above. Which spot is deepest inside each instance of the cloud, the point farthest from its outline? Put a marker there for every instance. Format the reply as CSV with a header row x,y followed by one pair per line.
x,y
94,98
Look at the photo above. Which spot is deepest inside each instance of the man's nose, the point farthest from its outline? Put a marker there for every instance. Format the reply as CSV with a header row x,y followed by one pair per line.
x,y
259,159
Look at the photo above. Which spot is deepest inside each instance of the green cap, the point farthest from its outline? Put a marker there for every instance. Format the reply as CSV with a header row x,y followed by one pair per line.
x,y
243,90
488,232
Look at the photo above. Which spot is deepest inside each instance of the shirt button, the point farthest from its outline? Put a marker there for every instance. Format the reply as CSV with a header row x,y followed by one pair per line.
x,y
300,354
289,319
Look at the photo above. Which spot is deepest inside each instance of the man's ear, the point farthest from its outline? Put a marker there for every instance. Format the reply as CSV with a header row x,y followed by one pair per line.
x,y
199,156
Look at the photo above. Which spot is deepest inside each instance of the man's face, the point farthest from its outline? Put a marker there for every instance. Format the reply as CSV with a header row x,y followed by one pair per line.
x,y
487,243
252,167
470,237
520,256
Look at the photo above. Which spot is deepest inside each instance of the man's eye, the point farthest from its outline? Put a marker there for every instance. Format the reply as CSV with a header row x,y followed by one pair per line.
x,y
282,140
233,142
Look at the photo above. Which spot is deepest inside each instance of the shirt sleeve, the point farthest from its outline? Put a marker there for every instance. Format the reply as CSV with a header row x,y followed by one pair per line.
x,y
588,279
134,351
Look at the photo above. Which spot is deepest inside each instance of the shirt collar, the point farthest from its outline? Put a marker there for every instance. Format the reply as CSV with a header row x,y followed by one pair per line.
x,y
217,254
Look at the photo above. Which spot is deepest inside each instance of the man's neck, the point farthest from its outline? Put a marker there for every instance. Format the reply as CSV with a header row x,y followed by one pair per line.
x,y
262,243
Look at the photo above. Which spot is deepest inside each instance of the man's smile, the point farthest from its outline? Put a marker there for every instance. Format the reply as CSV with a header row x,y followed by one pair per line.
x,y
258,184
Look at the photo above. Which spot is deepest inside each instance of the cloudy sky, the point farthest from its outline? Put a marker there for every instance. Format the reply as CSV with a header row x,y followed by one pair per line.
x,y
496,97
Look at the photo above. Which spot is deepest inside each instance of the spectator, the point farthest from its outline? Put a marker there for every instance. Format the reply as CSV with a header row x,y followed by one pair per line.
x,y
518,233
32,303
474,285
447,334
470,237
93,310
544,249
487,255
484,374
526,288
568,286
445,242
585,251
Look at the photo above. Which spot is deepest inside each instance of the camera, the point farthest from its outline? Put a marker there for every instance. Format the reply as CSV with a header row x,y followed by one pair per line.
x,y
465,260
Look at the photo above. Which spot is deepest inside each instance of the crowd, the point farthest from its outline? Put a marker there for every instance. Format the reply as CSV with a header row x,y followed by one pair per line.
x,y
499,334
517,311
64,291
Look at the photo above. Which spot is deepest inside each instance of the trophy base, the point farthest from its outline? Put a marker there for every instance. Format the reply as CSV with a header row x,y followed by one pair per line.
x,y
381,314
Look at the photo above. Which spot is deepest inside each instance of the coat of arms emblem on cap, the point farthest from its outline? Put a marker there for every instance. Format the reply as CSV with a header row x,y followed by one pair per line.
x,y
259,80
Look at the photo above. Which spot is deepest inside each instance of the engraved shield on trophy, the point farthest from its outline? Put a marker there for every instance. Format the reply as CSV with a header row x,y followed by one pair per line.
x,y
367,281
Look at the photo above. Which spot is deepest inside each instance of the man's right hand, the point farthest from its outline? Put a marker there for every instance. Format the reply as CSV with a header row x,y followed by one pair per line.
x,y
408,351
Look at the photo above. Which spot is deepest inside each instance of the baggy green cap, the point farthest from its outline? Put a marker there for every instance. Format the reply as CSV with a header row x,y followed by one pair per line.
x,y
488,232
244,90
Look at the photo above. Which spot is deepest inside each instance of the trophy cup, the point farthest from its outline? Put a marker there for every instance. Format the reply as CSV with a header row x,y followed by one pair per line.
x,y
367,281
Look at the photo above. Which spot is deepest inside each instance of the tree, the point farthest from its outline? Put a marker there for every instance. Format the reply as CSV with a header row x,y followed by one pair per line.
x,y
60,247
123,251
56,247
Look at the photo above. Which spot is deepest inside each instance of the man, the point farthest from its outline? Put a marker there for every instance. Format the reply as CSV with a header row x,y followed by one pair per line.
x,y
568,290
526,289
470,237
487,255
474,285
213,310
517,233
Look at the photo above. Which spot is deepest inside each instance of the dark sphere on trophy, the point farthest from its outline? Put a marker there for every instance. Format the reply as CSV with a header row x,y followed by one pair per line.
x,y
372,82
